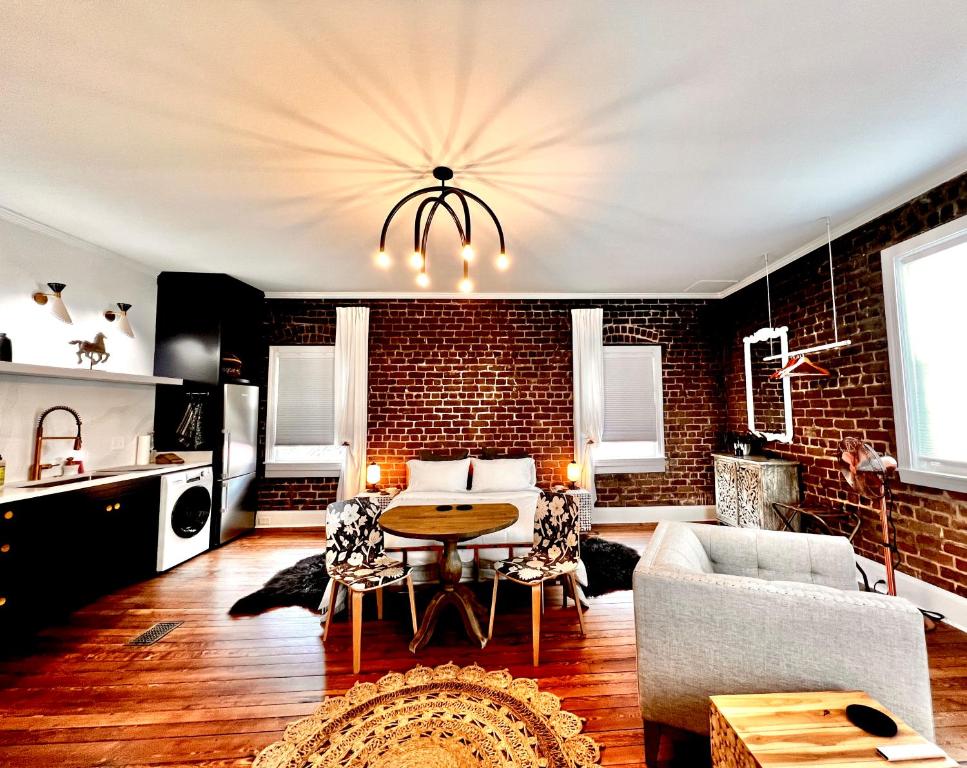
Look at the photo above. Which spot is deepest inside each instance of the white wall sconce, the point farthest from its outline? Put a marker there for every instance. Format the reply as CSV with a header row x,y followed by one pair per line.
x,y
121,315
57,306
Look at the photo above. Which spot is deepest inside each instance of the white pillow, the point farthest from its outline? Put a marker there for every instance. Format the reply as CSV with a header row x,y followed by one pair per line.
x,y
503,474
438,475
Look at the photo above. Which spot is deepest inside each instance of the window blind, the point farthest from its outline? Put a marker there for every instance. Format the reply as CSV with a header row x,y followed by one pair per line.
x,y
304,399
630,394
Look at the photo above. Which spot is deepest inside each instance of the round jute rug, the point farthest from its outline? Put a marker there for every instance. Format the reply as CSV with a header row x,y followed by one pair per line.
x,y
446,717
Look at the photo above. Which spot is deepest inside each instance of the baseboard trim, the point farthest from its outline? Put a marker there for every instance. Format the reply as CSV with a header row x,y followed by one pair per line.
x,y
691,513
291,518
921,593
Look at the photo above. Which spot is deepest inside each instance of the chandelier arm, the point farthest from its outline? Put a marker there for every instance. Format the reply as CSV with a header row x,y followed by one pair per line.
x,y
400,204
418,220
439,202
466,209
493,216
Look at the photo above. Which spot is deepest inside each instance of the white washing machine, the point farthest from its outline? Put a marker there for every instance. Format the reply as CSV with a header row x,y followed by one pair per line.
x,y
184,525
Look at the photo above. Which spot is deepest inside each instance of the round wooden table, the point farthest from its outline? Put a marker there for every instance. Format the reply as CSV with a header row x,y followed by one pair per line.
x,y
449,524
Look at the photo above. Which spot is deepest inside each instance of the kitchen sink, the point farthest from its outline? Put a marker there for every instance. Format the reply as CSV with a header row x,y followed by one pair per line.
x,y
57,481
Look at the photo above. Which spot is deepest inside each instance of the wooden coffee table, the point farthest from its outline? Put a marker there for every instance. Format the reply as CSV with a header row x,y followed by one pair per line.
x,y
450,527
786,730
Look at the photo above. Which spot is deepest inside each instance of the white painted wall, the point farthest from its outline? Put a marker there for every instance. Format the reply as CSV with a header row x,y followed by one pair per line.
x,y
31,256
113,414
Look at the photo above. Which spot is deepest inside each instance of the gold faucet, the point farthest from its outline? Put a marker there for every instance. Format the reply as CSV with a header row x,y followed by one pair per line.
x,y
36,468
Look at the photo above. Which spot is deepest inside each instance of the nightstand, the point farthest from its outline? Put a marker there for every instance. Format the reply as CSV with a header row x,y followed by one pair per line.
x,y
383,499
585,507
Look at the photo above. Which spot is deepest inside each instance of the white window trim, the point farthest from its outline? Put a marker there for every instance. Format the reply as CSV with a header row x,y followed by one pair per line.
x,y
891,259
291,468
650,463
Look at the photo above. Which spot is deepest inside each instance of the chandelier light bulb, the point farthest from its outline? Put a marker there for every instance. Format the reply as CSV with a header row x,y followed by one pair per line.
x,y
416,260
503,261
383,260
423,280
467,252
466,285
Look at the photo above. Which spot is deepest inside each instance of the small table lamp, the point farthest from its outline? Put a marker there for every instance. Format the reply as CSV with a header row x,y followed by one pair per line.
x,y
372,476
573,474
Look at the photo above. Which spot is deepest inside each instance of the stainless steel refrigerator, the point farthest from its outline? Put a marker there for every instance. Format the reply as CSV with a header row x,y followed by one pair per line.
x,y
234,499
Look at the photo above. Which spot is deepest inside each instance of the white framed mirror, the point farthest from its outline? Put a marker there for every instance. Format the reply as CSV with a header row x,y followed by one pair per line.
x,y
768,402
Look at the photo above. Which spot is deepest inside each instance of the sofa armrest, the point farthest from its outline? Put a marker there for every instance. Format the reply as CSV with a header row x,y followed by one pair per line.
x,y
699,635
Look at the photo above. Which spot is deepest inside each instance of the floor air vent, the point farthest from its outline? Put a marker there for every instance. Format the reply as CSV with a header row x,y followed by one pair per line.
x,y
156,632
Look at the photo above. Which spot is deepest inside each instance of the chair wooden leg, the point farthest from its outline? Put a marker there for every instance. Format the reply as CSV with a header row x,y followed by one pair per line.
x,y
652,743
542,598
409,587
536,621
564,584
357,628
379,604
334,589
573,580
493,606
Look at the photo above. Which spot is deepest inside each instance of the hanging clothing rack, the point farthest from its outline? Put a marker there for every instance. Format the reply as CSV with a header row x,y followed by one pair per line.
x,y
835,344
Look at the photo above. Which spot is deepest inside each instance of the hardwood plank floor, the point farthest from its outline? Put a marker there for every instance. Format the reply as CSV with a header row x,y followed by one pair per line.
x,y
218,689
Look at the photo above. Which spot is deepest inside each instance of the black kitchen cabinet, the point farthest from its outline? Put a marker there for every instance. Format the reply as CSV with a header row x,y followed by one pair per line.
x,y
120,531
203,317
60,551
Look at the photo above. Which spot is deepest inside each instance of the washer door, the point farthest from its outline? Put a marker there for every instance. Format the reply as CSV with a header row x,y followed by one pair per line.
x,y
191,512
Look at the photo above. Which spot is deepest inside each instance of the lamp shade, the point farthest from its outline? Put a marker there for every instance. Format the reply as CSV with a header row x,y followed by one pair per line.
x,y
372,473
53,299
121,316
573,472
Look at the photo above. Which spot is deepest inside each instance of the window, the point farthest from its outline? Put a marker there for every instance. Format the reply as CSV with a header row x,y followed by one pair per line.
x,y
300,420
923,288
633,439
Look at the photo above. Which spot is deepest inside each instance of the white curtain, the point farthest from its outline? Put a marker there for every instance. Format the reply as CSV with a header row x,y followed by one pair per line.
x,y
351,389
587,332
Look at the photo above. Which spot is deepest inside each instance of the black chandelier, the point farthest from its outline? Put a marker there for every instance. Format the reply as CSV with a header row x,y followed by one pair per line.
x,y
436,198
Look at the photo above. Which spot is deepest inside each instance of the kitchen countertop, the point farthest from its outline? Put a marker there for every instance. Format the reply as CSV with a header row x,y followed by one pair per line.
x,y
11,493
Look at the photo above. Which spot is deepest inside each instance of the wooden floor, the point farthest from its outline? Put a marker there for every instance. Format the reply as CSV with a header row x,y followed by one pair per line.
x,y
218,689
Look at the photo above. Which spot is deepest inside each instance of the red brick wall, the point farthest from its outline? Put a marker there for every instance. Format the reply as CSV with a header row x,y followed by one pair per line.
x,y
469,374
856,399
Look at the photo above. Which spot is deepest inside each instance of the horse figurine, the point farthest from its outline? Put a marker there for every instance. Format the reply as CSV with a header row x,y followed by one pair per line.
x,y
94,351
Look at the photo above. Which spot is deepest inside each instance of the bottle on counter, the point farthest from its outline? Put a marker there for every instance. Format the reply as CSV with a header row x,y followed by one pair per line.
x,y
3,472
6,349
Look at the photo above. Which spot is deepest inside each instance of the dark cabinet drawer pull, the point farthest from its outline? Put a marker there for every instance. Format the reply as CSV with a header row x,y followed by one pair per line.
x,y
3,601
117,505
8,515
4,548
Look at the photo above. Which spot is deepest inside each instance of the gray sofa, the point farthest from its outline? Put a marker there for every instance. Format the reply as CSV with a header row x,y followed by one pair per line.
x,y
726,610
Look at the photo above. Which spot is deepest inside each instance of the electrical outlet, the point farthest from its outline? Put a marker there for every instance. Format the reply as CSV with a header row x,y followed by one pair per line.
x,y
117,443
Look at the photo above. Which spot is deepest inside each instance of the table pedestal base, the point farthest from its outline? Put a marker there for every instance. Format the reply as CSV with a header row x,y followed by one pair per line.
x,y
466,604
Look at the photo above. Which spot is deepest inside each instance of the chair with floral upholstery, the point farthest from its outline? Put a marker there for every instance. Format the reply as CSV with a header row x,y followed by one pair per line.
x,y
356,559
555,555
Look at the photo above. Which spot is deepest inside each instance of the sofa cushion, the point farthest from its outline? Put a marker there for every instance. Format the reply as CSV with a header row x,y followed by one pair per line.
x,y
779,555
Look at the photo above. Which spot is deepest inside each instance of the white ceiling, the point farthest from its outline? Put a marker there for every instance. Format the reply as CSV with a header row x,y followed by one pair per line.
x,y
627,147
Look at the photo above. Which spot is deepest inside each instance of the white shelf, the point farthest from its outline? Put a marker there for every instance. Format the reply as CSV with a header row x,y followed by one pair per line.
x,y
82,374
